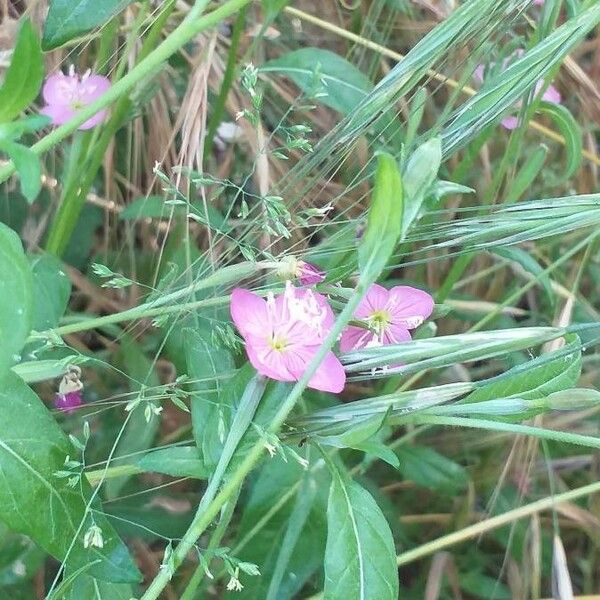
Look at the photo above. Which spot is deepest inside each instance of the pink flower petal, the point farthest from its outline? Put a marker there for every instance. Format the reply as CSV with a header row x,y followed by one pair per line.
x,y
354,338
92,87
510,123
330,376
552,95
375,299
68,402
59,113
98,118
396,334
268,362
60,89
409,306
250,314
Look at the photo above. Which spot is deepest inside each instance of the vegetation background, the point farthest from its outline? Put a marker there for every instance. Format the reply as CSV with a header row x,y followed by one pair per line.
x,y
241,134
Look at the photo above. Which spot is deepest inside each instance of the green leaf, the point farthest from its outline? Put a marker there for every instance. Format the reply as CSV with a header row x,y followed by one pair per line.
x,y
314,70
548,373
35,502
150,207
206,361
28,166
68,19
89,588
360,559
418,177
429,469
16,295
179,461
20,558
359,431
570,130
24,76
384,221
52,290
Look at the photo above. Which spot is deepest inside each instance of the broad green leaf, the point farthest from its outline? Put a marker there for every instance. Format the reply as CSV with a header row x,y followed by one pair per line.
x,y
30,124
384,221
28,166
537,378
52,289
139,432
206,360
379,450
360,558
179,461
32,371
24,77
34,501
68,19
338,83
417,179
151,207
89,588
429,469
16,295
570,130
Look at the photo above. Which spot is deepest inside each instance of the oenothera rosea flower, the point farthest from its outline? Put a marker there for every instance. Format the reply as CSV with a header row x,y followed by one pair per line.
x,y
65,95
389,314
551,94
284,332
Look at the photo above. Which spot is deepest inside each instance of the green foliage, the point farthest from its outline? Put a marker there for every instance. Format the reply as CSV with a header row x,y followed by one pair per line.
x,y
384,221
323,75
34,500
16,298
179,461
207,360
51,289
68,19
24,77
360,559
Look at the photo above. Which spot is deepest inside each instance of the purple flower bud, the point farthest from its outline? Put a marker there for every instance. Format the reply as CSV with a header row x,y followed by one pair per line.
x,y
68,402
309,274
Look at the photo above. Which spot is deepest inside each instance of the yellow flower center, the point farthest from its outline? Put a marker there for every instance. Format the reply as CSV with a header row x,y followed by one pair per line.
x,y
380,319
278,344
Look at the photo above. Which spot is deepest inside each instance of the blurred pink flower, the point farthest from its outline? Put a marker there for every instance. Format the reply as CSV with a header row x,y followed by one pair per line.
x,y
66,94
550,95
68,401
309,274
538,2
389,314
284,332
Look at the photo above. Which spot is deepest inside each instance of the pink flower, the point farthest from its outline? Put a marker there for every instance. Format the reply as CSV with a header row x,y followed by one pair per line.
x,y
389,314
66,94
550,95
309,274
284,332
538,2
68,401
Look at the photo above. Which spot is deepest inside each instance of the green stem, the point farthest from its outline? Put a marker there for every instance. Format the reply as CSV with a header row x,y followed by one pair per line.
x,y
226,516
514,428
189,27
